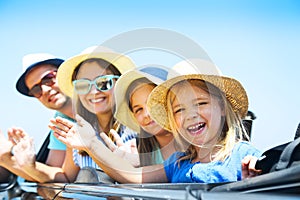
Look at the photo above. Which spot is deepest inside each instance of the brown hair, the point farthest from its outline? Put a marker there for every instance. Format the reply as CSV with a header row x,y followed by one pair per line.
x,y
147,142
80,109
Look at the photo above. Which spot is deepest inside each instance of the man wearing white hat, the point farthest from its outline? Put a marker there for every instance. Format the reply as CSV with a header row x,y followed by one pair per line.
x,y
39,80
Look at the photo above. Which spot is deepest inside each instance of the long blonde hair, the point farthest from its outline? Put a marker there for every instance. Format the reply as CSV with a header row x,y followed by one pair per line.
x,y
231,132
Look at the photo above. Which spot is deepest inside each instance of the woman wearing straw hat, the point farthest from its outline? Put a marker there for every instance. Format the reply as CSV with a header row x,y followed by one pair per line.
x,y
204,113
88,78
131,92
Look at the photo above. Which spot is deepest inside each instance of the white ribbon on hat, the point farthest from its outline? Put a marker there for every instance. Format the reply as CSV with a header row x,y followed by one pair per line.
x,y
31,59
194,66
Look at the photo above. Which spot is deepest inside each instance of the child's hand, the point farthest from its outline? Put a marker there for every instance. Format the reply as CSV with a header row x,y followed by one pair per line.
x,y
248,167
126,150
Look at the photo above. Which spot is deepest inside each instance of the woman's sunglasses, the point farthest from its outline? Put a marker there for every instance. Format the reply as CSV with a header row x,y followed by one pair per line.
x,y
102,83
49,80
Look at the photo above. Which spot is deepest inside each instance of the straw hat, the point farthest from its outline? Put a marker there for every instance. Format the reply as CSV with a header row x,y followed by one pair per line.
x,y
233,90
66,70
123,114
29,62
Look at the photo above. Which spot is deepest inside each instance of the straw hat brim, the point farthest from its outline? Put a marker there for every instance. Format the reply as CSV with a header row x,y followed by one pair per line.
x,y
123,114
233,90
66,70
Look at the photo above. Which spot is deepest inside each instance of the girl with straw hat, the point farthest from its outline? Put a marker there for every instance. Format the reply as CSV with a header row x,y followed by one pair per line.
x,y
204,113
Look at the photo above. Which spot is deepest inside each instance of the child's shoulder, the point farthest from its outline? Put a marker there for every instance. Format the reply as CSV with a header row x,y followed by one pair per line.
x,y
244,147
174,157
243,144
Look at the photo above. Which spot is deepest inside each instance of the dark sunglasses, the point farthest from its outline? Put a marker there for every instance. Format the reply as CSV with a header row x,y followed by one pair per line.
x,y
102,83
49,80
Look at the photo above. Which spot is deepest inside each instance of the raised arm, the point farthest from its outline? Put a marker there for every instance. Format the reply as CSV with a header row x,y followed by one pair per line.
x,y
8,161
121,169
128,150
25,157
116,167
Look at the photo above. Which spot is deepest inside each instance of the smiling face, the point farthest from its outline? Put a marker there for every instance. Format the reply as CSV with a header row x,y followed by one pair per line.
x,y
138,102
51,96
197,114
95,101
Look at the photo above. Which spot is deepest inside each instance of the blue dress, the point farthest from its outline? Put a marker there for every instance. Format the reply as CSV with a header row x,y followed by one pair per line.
x,y
213,172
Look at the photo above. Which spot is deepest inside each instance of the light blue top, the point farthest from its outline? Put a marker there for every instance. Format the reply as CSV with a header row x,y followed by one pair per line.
x,y
86,161
157,157
54,143
213,172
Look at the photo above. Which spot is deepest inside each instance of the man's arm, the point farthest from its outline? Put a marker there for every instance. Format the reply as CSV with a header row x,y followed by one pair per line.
x,y
55,158
57,151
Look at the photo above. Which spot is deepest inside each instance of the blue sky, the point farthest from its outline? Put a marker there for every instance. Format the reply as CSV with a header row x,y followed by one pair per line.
x,y
256,42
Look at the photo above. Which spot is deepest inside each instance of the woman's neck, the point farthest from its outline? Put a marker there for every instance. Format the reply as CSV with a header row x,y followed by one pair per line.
x,y
105,121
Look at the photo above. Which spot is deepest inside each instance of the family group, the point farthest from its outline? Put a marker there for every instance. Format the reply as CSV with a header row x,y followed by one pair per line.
x,y
133,124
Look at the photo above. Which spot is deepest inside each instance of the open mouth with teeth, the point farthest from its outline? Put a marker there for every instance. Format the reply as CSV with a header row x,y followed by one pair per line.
x,y
196,129
97,100
52,97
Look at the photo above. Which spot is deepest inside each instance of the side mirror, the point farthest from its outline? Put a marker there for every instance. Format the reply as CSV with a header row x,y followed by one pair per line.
x,y
247,122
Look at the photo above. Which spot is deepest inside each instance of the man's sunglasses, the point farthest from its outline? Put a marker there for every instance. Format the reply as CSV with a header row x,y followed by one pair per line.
x,y
49,80
102,83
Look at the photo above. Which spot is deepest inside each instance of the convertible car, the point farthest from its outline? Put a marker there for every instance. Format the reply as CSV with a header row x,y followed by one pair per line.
x,y
283,184
280,180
